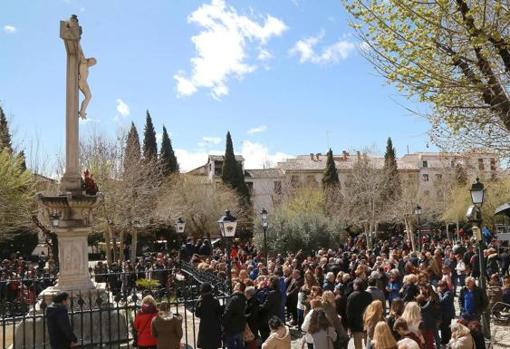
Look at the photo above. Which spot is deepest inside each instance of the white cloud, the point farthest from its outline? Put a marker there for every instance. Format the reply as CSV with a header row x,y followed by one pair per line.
x,y
222,50
189,160
122,110
10,29
259,129
264,55
257,155
334,53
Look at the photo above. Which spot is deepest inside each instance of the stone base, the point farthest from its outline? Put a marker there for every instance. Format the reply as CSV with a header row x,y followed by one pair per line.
x,y
89,295
91,327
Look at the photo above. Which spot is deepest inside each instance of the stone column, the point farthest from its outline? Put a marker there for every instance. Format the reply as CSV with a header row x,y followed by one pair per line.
x,y
73,259
70,32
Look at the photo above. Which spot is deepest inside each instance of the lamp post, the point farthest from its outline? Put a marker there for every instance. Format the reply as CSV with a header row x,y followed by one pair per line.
x,y
417,213
55,219
263,217
228,226
180,226
474,215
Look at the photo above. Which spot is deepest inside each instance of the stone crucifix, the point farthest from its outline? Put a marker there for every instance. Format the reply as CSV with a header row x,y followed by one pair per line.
x,y
76,80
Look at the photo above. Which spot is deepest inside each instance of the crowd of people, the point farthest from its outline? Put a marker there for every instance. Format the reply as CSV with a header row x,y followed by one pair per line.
x,y
383,298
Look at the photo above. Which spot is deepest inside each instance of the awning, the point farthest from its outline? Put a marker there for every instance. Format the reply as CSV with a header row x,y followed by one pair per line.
x,y
503,209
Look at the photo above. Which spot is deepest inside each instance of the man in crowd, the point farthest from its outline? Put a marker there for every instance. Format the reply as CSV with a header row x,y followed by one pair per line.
x,y
59,327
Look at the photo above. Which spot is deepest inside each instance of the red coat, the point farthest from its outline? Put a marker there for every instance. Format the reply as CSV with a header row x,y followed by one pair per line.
x,y
142,325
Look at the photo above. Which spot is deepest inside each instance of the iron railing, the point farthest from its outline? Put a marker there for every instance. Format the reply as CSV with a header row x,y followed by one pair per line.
x,y
101,318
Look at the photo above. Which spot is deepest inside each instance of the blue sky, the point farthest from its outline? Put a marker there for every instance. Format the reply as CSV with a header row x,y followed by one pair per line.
x,y
285,76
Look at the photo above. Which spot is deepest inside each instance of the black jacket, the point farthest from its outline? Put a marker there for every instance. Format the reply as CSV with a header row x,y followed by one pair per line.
x,y
233,316
409,293
252,314
59,327
208,310
357,302
272,305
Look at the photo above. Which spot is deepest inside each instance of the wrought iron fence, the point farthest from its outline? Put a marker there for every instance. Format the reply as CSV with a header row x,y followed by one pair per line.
x,y
102,318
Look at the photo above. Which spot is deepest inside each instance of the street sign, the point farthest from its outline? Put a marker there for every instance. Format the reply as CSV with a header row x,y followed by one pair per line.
x,y
503,237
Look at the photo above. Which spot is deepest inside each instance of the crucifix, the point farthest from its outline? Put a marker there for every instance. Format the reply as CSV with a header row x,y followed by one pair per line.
x,y
76,80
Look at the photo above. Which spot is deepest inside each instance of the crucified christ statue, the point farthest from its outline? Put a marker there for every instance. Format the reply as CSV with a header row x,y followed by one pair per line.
x,y
85,63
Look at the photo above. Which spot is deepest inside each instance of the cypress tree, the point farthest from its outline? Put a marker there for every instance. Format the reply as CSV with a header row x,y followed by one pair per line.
x,y
23,162
132,151
330,177
5,136
150,147
167,157
232,171
393,188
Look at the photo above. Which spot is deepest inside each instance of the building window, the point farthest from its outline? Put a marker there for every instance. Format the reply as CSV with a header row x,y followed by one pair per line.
x,y
425,177
277,187
452,163
425,164
294,180
439,177
481,166
493,164
426,193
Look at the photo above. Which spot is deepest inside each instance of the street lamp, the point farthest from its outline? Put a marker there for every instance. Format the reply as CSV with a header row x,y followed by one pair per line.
x,y
263,217
474,215
228,226
180,224
477,192
55,219
417,213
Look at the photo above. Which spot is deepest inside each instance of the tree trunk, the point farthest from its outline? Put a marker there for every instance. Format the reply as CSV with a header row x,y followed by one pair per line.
x,y
108,242
134,242
121,246
410,233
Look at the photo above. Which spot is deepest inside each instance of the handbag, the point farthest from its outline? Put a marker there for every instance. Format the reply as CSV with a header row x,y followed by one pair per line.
x,y
248,335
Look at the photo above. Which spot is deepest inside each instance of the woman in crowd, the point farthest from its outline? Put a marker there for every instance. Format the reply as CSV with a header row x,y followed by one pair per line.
x,y
167,328
329,306
142,324
322,333
408,339
394,286
412,316
315,305
461,337
373,314
383,338
409,290
396,310
209,311
279,337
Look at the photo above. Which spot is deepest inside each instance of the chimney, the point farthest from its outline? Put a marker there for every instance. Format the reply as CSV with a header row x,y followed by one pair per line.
x,y
311,157
318,156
